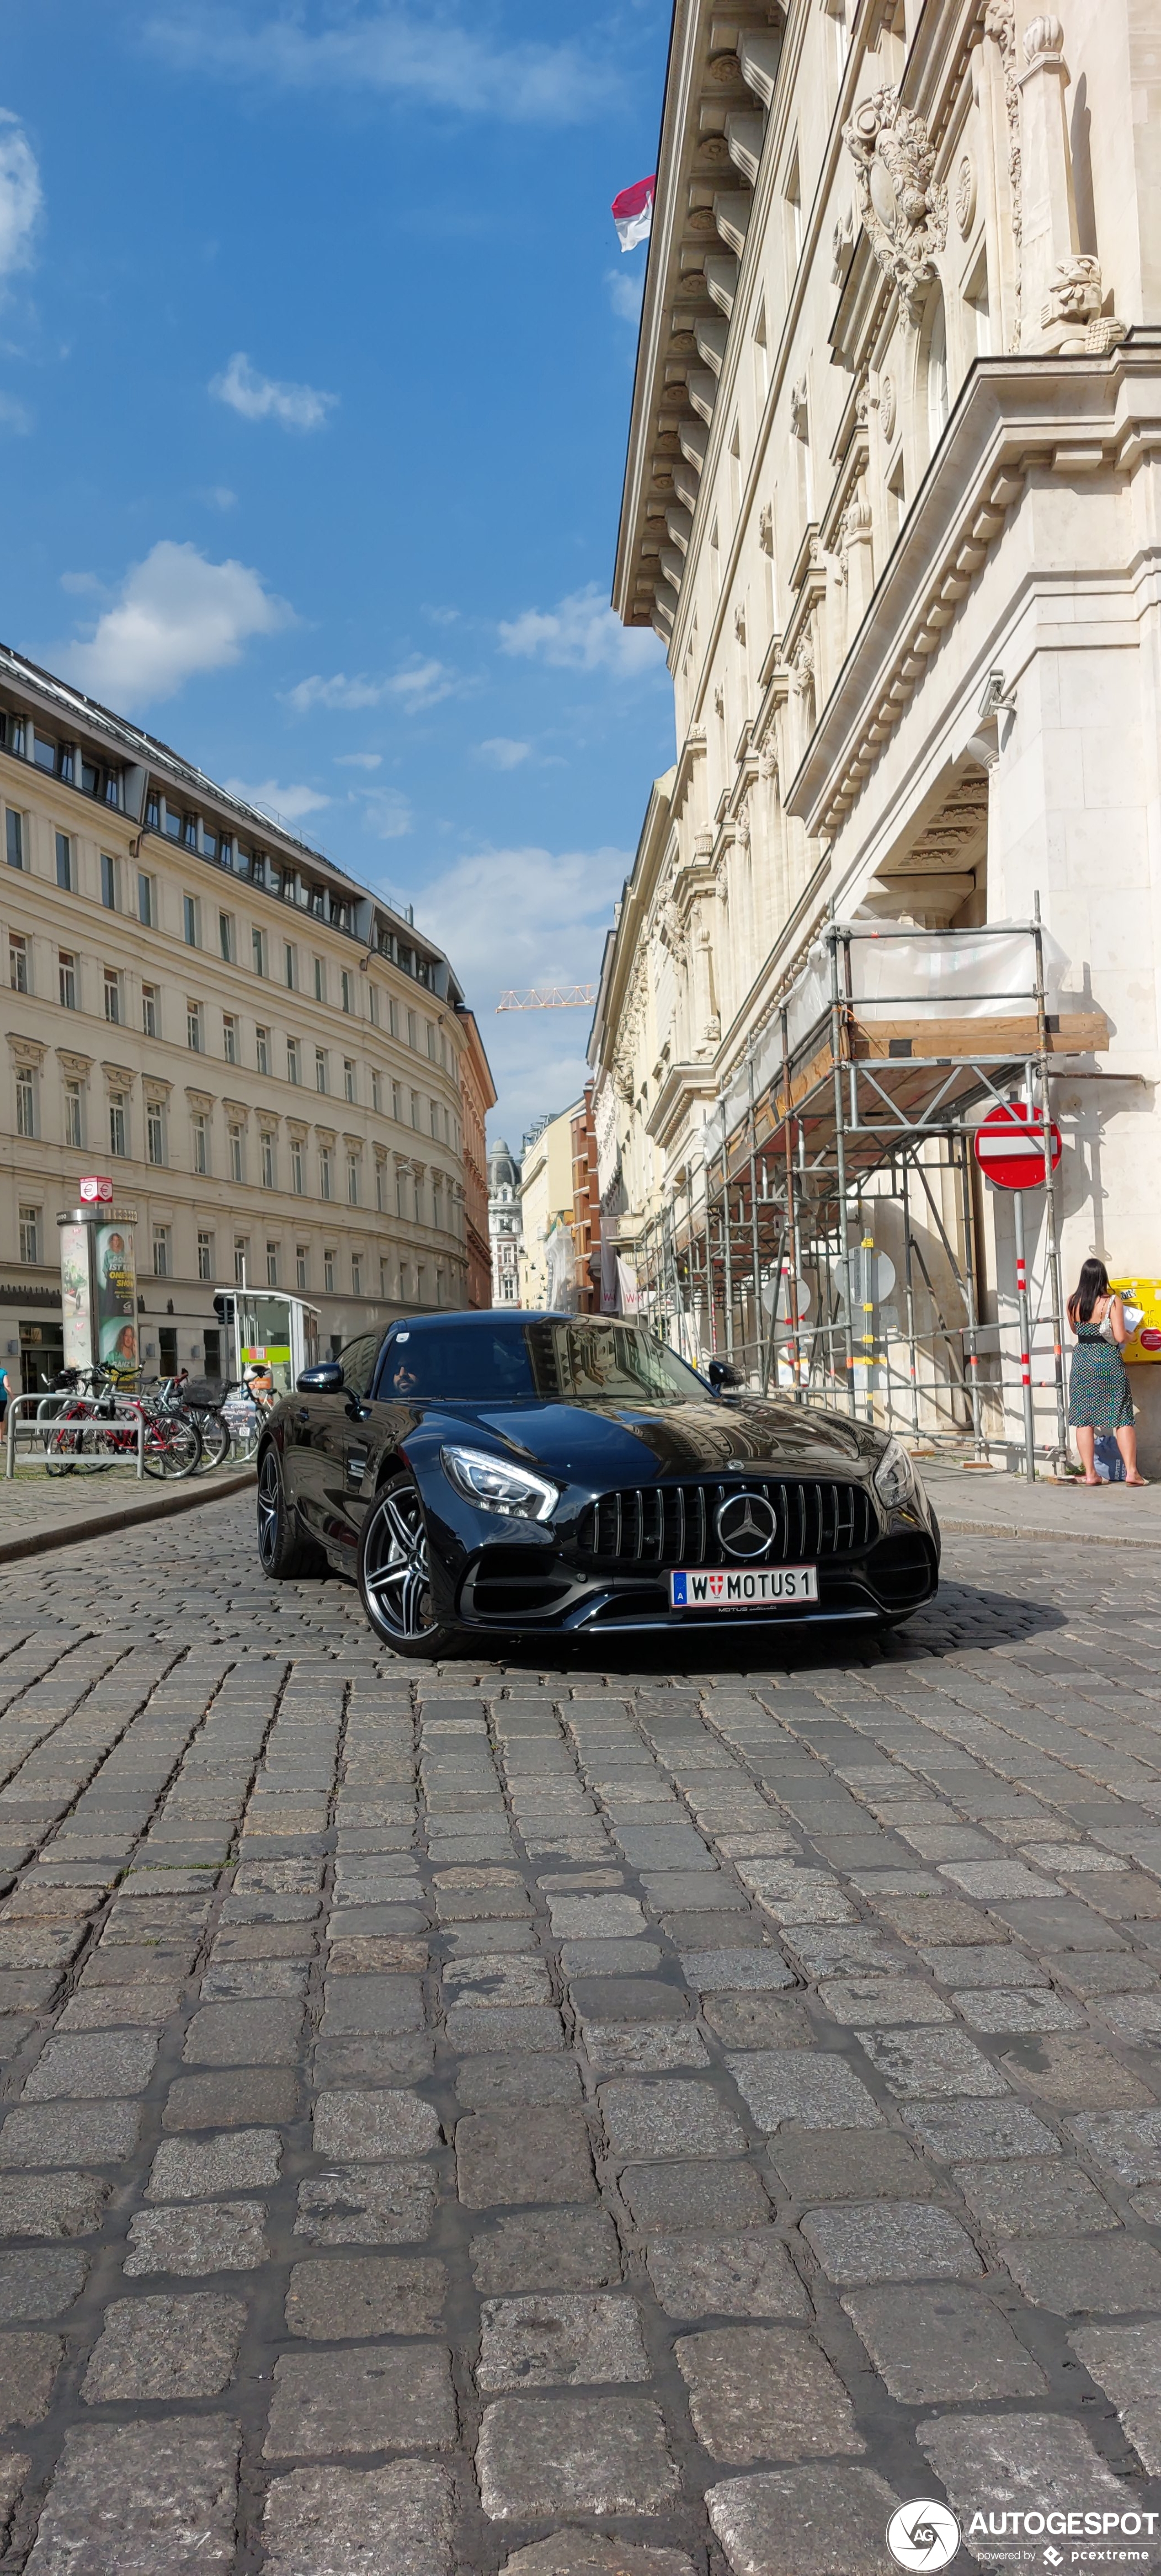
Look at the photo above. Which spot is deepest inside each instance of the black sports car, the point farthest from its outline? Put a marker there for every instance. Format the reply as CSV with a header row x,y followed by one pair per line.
x,y
511,1474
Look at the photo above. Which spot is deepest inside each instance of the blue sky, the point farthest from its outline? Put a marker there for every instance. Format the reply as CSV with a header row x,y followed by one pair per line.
x,y
316,353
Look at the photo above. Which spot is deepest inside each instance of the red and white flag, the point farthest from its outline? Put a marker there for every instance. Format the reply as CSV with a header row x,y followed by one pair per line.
x,y
633,213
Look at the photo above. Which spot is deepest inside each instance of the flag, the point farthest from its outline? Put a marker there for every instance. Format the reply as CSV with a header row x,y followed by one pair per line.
x,y
633,213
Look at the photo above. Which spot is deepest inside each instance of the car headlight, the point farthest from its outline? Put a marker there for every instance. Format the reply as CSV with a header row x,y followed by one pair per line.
x,y
494,1486
894,1476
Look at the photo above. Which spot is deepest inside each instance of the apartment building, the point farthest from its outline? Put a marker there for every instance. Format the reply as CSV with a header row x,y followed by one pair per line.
x,y
477,1096
263,1055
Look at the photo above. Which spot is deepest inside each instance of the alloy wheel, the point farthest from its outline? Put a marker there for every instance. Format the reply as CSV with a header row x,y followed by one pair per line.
x,y
396,1575
269,1507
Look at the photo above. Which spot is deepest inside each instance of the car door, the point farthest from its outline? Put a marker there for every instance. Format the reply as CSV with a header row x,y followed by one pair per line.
x,y
342,1445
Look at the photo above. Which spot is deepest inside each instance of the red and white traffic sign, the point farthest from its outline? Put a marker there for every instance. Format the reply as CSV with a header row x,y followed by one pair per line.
x,y
95,1188
1009,1146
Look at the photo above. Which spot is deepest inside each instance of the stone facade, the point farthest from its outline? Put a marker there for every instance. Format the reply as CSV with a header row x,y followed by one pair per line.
x,y
264,1057
892,501
477,1096
504,1225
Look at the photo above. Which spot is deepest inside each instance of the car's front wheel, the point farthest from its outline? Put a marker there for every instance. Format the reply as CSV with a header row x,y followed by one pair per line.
x,y
394,1574
283,1553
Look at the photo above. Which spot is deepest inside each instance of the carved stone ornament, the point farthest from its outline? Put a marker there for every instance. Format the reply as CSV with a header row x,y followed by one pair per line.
x,y
26,1051
799,421
1071,318
802,667
740,625
719,702
842,242
1000,26
902,204
965,195
742,827
887,407
767,762
766,527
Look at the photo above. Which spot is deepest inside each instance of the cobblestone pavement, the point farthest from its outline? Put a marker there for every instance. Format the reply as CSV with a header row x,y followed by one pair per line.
x,y
566,2121
33,1504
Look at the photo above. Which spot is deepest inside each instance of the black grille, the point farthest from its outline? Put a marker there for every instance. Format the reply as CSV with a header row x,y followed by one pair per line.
x,y
666,1525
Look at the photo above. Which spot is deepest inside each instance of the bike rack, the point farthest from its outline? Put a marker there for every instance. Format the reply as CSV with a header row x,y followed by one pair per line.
x,y
41,1423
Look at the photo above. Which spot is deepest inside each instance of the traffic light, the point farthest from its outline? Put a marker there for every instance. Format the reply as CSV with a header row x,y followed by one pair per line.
x,y
224,1309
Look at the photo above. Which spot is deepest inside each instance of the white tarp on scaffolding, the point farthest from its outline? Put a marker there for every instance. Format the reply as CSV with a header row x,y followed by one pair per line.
x,y
921,974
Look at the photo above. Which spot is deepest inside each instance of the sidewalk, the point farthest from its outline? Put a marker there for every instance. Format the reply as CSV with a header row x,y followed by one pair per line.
x,y
39,1512
989,1503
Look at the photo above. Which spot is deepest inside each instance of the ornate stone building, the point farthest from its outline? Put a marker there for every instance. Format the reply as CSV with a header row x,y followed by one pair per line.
x,y
504,1225
263,1056
892,502
477,1096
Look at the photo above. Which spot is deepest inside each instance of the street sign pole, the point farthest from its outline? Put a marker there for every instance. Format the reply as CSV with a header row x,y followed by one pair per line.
x,y
1025,1338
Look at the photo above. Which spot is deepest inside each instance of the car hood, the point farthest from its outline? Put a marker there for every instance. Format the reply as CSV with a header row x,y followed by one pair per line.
x,y
632,1444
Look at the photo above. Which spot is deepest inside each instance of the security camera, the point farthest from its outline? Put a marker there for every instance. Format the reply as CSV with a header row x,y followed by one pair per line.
x,y
996,697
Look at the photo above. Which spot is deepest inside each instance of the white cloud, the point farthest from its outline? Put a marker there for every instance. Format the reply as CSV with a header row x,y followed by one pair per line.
x,y
429,56
283,804
21,198
219,497
15,416
519,917
582,633
386,813
358,760
420,684
502,753
177,615
626,288
260,398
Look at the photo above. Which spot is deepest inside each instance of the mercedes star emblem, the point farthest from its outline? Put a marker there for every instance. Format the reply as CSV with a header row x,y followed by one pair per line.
x,y
746,1524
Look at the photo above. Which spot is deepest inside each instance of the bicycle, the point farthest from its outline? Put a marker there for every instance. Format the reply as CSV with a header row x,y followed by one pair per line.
x,y
172,1445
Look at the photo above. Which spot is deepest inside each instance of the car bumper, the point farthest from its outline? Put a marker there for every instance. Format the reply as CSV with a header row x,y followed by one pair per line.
x,y
519,1592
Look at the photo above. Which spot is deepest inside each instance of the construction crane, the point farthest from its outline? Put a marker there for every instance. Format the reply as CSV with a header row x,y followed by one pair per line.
x,y
550,997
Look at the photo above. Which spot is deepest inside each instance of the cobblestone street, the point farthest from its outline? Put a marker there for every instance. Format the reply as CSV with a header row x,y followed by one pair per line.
x,y
557,2121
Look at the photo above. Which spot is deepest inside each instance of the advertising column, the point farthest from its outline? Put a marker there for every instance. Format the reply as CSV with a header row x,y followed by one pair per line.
x,y
99,1287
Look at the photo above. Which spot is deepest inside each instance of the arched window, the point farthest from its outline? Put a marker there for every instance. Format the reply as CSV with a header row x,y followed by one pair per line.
x,y
937,402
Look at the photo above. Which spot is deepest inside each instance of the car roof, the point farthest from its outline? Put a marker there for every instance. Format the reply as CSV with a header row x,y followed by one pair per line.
x,y
482,1315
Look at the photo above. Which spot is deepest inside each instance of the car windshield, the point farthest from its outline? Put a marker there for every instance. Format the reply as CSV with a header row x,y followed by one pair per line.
x,y
588,1360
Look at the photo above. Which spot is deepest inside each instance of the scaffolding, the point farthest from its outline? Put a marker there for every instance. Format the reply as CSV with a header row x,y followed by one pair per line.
x,y
831,1240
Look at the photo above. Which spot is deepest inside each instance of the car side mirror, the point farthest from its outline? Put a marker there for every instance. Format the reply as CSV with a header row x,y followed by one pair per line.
x,y
324,1380
720,1375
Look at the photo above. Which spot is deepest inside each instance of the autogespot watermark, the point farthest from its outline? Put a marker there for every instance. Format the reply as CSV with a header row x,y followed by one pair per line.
x,y
925,2535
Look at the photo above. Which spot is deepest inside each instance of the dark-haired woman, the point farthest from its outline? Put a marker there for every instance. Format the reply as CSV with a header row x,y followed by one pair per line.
x,y
1098,1390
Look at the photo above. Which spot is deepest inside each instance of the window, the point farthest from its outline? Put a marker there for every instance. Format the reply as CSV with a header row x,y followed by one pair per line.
x,y
113,996
118,1123
18,962
64,863
258,947
30,1237
150,1012
353,1179
268,1172
300,1268
326,1181
14,838
161,1252
937,399
348,991
433,1106
189,831
190,918
226,936
44,751
236,1137
393,1016
108,882
380,1184
373,1001
193,1027
209,844
329,1273
230,1037
794,212
290,960
66,967
412,1030
348,1079
377,1092
397,1102
272,1265
356,1274
293,1060
262,1043
296,1180
25,1101
320,980
437,1200
73,1128
152,812
415,1109
146,901
384,1278
155,1131
241,1247
431,1045
201,1142
320,1069
205,1256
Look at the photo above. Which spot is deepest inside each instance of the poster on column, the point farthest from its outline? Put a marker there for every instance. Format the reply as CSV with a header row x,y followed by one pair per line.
x,y
115,1284
76,1296
1143,1297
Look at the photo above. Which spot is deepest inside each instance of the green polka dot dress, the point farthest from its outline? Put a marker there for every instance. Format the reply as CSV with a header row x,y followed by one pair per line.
x,y
1098,1388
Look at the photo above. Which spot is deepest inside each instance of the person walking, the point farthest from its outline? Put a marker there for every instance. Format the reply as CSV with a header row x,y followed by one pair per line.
x,y
1098,1387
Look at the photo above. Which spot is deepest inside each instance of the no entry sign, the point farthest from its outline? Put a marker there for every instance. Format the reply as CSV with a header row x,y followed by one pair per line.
x,y
1010,1146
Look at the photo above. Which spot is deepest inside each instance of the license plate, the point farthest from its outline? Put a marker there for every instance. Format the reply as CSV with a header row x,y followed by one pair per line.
x,y
691,1588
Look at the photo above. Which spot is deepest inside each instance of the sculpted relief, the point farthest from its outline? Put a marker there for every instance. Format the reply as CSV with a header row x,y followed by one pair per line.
x,y
902,204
